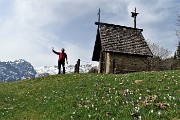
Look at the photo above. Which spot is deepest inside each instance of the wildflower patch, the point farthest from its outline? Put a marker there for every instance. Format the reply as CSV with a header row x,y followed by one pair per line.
x,y
144,95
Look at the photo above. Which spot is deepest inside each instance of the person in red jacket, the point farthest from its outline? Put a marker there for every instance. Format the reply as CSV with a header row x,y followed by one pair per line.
x,y
61,60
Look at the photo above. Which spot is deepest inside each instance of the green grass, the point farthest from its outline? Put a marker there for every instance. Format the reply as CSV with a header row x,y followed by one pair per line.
x,y
93,97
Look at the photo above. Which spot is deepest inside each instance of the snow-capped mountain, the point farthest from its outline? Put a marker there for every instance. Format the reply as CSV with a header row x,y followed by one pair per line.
x,y
17,70
21,69
52,70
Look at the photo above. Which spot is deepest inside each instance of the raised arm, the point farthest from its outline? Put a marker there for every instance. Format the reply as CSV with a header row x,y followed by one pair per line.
x,y
55,51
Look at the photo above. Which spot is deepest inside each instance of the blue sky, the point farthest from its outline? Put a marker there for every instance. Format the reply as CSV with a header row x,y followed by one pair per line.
x,y
30,28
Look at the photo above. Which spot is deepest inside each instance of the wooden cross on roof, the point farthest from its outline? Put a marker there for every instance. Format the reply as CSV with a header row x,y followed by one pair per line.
x,y
134,15
99,17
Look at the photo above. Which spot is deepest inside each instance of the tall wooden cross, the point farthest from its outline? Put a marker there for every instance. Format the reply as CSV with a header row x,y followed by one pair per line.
x,y
99,17
134,15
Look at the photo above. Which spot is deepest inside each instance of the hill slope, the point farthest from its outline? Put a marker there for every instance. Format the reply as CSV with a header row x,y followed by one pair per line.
x,y
146,96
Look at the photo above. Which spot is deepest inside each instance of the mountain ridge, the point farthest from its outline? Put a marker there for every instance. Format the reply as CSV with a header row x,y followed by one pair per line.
x,y
22,69
17,70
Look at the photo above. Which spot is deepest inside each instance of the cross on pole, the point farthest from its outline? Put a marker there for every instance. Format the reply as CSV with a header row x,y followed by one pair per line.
x,y
99,17
134,15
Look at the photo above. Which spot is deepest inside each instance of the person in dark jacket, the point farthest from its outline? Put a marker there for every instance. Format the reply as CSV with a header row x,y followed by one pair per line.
x,y
61,60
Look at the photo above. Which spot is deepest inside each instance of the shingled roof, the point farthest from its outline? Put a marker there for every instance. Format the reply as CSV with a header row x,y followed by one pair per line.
x,y
119,39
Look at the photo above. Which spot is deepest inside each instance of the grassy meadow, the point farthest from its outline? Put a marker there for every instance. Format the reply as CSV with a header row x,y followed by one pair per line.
x,y
134,96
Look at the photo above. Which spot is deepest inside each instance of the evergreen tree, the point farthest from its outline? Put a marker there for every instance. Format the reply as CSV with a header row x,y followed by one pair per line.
x,y
175,56
178,51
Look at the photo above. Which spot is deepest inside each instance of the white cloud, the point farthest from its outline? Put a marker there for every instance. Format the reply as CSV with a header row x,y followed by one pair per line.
x,y
31,27
22,34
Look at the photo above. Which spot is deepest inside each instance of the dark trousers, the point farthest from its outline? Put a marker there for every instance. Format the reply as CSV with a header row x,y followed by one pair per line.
x,y
59,66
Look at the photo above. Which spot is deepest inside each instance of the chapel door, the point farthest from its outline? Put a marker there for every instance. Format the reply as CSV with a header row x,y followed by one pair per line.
x,y
103,62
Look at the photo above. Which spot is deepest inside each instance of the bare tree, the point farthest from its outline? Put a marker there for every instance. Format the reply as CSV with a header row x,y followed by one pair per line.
x,y
159,52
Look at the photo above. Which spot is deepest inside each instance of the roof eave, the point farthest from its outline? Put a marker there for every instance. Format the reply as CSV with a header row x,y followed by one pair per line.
x,y
97,47
100,23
